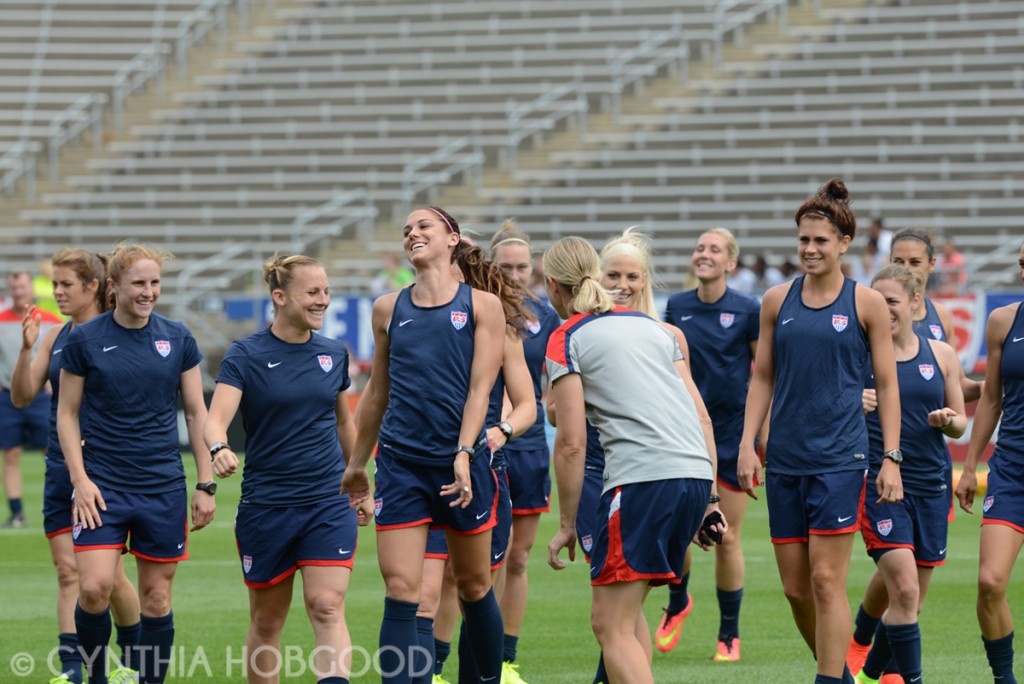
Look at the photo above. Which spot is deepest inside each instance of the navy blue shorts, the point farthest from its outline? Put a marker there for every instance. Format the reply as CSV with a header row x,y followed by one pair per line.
x,y
586,512
437,543
1004,500
918,523
728,451
802,505
274,542
57,494
409,494
152,526
644,530
529,480
29,427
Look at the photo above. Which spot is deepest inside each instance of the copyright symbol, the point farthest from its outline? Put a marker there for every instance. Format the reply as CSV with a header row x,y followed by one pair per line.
x,y
22,664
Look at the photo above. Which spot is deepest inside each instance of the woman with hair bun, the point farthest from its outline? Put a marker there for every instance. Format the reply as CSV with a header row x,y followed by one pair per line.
x,y
438,348
291,387
722,326
625,372
117,419
812,356
79,288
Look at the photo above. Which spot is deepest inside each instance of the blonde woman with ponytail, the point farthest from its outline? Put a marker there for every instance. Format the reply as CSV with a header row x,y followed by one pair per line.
x,y
659,451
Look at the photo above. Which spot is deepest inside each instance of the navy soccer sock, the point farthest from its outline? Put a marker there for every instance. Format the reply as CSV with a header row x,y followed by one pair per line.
x,y
601,676
1000,658
423,662
16,506
864,627
70,656
127,640
485,632
93,634
511,643
468,674
677,597
442,649
332,680
397,637
880,653
905,643
156,644
729,610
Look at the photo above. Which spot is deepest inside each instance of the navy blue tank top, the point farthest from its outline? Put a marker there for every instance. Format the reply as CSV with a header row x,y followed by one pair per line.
x,y
431,357
495,403
1011,428
930,325
925,457
817,422
54,454
535,345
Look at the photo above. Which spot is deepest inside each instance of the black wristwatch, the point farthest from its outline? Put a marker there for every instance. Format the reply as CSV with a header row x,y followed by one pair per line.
x,y
713,499
468,449
208,487
218,446
505,428
896,456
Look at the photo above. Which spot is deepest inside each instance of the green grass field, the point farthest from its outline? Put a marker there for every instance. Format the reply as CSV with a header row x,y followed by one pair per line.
x,y
556,645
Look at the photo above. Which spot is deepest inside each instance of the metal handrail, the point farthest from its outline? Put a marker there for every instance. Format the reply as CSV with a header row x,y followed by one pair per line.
x,y
459,161
1005,252
150,63
623,75
521,127
302,238
85,113
725,23
197,24
19,161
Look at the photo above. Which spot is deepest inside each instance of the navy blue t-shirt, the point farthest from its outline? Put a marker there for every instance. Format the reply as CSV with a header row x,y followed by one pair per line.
x,y
289,398
925,457
431,357
54,454
535,345
817,422
132,379
719,336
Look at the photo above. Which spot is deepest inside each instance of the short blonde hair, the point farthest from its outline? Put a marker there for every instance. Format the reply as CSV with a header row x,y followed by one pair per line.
x,y
730,241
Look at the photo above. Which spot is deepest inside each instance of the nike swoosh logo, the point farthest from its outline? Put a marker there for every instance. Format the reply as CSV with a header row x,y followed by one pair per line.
x,y
685,318
498,556
56,351
942,551
786,321
274,365
106,349
181,545
404,322
483,514
488,679
1018,339
842,520
342,551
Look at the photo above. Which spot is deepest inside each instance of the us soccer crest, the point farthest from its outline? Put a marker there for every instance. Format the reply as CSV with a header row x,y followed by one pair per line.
x,y
884,527
163,347
459,319
377,505
246,564
588,542
76,530
936,331
533,327
927,370
840,322
989,500
727,319
326,362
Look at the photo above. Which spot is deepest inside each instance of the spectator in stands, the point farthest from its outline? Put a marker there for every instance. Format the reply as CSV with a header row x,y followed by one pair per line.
x,y
789,270
864,267
30,425
767,276
951,270
393,276
743,279
42,288
882,239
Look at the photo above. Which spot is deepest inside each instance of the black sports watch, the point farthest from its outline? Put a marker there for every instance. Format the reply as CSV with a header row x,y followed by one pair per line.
x,y
218,446
896,456
208,487
468,449
713,499
505,428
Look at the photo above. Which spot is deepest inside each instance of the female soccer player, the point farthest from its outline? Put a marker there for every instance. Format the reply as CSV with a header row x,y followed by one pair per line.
x,y
117,419
527,457
290,384
79,287
722,327
438,348
1002,531
907,540
811,358
626,371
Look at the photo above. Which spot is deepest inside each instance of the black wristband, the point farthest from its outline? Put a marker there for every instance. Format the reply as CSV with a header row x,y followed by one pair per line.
x,y
468,449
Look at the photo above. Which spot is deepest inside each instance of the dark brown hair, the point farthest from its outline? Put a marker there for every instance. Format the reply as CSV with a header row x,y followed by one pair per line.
x,y
832,203
919,234
88,267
